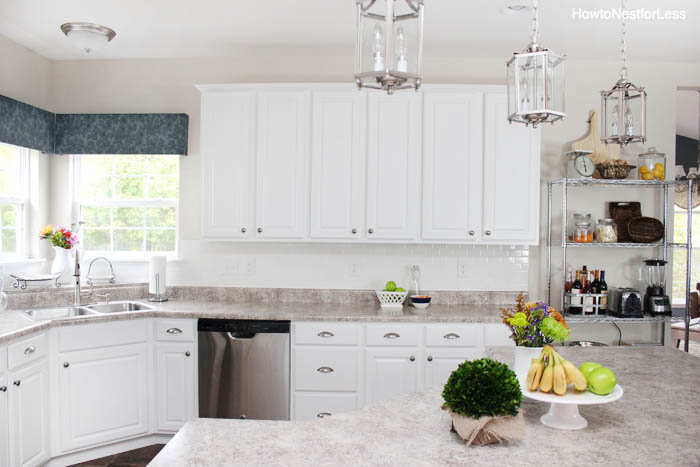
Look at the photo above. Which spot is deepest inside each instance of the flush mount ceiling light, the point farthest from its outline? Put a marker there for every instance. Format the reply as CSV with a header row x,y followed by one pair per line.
x,y
535,82
515,10
88,37
389,48
624,106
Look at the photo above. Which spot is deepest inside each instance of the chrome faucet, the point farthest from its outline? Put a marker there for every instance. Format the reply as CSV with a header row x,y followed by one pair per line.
x,y
77,296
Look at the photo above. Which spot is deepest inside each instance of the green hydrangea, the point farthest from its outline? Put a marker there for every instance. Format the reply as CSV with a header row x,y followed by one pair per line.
x,y
553,329
519,319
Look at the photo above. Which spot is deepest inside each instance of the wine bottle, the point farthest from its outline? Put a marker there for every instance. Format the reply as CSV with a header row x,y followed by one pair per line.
x,y
569,279
596,282
603,289
575,299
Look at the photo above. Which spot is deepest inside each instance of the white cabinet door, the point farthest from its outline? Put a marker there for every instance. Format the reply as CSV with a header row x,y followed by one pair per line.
x,y
175,404
452,165
337,164
28,414
440,363
390,372
312,405
511,177
103,395
228,158
4,422
281,194
393,166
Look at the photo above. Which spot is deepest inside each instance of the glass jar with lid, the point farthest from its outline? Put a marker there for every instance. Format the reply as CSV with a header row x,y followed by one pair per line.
x,y
651,165
606,231
583,233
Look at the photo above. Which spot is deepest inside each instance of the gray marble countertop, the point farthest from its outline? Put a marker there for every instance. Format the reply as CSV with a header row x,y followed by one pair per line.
x,y
655,423
14,325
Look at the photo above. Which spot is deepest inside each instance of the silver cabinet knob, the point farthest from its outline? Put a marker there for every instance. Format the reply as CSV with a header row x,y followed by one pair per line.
x,y
17,383
174,331
323,414
488,232
451,335
412,358
391,335
325,334
430,358
354,231
188,353
371,231
325,369
66,364
30,349
259,229
243,230
3,388
471,232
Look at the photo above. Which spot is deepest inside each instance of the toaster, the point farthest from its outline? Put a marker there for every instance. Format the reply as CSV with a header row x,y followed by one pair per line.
x,y
625,302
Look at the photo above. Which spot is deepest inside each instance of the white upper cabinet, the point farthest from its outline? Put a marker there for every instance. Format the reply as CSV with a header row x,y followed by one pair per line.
x,y
282,165
452,164
338,163
511,177
393,166
228,162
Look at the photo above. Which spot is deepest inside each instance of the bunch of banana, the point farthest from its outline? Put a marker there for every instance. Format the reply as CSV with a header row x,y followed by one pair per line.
x,y
550,371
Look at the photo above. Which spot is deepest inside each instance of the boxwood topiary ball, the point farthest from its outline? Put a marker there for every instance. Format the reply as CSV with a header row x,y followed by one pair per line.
x,y
483,387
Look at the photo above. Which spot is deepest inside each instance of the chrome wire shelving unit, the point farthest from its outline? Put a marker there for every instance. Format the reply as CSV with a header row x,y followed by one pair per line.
x,y
665,245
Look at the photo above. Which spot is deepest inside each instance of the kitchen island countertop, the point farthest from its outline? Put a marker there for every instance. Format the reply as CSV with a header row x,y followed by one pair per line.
x,y
655,423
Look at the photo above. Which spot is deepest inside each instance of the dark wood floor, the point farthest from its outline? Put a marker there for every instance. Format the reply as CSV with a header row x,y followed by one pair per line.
x,y
136,458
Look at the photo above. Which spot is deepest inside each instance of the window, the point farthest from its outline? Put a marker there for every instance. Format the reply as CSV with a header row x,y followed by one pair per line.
x,y
129,203
14,192
680,223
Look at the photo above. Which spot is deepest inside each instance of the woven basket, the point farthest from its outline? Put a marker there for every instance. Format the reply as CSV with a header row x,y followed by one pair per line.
x,y
645,229
623,212
391,299
618,170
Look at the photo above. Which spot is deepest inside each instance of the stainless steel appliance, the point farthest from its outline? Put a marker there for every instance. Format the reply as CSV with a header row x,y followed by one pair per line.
x,y
656,302
243,369
625,303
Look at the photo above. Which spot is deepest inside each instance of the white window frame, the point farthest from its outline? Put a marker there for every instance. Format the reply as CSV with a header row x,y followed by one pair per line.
x,y
126,203
22,203
681,301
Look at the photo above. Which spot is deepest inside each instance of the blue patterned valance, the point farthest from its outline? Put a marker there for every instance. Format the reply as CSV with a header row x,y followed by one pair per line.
x,y
121,134
24,125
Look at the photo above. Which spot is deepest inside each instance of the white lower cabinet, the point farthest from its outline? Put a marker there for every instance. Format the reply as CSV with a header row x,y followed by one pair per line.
x,y
391,372
27,407
103,395
310,405
440,363
175,379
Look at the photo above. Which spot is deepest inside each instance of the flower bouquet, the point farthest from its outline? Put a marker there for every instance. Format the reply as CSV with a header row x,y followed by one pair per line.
x,y
534,324
59,237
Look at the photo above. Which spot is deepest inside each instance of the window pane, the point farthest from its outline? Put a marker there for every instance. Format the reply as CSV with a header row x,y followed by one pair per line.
x,y
10,170
128,217
5,189
163,187
9,215
95,216
164,165
131,187
96,239
128,240
95,188
160,240
9,240
160,217
131,165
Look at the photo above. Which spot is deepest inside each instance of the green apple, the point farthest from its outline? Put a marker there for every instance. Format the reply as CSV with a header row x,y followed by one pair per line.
x,y
390,286
601,381
399,289
587,367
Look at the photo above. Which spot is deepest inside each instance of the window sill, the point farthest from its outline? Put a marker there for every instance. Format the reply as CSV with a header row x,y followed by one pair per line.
x,y
126,259
21,261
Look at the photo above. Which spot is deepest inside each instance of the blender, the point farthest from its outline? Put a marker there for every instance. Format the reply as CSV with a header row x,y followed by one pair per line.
x,y
656,302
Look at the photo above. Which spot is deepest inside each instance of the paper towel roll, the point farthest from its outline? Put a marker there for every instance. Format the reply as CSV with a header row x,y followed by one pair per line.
x,y
157,267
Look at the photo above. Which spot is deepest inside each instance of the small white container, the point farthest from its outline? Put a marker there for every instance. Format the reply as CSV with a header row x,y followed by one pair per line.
x,y
391,299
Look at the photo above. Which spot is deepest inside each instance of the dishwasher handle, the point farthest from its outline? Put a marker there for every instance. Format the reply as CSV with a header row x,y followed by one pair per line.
x,y
237,335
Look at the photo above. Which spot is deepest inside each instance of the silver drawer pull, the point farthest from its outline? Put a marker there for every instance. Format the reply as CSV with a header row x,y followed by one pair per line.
x,y
451,335
30,349
325,369
391,335
3,388
325,334
174,331
323,414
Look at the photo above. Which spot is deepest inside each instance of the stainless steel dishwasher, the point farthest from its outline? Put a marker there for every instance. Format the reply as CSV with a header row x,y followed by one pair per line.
x,y
243,369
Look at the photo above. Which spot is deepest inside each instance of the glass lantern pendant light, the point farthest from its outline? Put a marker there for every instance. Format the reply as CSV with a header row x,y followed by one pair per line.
x,y
389,48
624,106
535,82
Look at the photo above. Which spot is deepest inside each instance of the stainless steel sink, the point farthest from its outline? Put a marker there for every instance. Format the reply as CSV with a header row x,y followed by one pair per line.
x,y
118,307
57,313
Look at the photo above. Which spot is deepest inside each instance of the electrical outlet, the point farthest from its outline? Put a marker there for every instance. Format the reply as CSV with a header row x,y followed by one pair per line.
x,y
462,270
231,267
250,266
354,270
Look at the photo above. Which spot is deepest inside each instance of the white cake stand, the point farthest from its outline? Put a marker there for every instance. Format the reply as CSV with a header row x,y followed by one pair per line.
x,y
563,411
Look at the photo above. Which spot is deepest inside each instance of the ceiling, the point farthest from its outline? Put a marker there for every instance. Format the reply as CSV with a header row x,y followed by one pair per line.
x,y
473,28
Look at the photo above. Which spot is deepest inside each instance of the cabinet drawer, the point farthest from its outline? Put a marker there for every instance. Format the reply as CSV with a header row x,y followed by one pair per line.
x,y
454,335
180,330
88,336
326,334
497,334
326,369
309,405
392,335
27,350
3,359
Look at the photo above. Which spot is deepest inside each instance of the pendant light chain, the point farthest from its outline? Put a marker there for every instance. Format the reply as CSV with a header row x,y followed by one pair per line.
x,y
623,42
535,21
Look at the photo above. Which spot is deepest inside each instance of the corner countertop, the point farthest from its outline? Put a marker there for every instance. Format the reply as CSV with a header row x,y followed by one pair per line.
x,y
14,325
655,423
